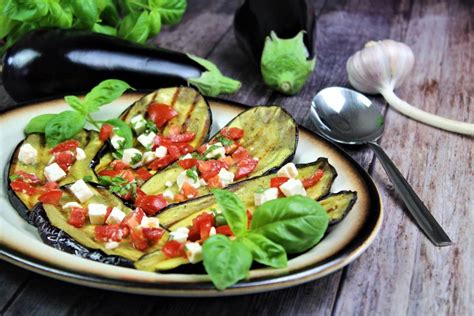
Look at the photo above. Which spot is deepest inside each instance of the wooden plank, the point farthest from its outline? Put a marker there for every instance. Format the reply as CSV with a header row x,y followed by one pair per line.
x,y
408,275
12,279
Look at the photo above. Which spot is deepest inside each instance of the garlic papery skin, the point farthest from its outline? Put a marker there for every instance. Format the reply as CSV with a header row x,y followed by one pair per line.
x,y
381,67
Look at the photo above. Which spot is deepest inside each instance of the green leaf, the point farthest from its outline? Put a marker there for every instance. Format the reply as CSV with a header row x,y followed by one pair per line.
x,y
25,10
155,22
76,104
136,30
122,129
192,173
104,93
171,11
86,11
284,64
297,223
56,17
64,126
212,82
226,262
265,251
104,29
109,12
6,25
38,123
233,210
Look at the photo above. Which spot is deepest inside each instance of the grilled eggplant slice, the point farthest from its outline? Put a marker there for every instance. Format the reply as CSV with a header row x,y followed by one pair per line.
x,y
85,235
338,205
194,116
88,140
270,134
183,214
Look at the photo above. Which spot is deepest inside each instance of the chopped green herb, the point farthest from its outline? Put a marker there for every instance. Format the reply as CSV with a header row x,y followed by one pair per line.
x,y
150,127
260,190
87,178
14,177
192,173
136,159
224,140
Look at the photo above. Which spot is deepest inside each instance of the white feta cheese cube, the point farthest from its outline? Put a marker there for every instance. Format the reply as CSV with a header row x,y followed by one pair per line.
x,y
147,140
71,204
168,194
212,231
187,156
81,191
293,187
80,154
265,196
132,157
150,222
226,177
148,156
193,251
217,152
54,173
27,154
289,170
161,151
117,141
169,183
138,123
112,245
180,234
183,178
97,213
115,217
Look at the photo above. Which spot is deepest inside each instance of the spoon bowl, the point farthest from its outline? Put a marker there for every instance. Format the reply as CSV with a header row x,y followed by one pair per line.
x,y
349,117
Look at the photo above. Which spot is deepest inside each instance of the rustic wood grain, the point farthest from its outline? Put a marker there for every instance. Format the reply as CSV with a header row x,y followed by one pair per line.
x,y
401,273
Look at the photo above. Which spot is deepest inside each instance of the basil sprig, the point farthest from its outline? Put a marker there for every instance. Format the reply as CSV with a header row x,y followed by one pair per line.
x,y
281,226
65,125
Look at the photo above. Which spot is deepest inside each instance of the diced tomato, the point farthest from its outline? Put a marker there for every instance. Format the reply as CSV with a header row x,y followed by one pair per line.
x,y
202,149
228,161
119,165
51,197
28,177
249,218
182,138
68,145
240,154
109,233
174,151
49,186
128,175
189,191
105,132
77,217
21,186
173,249
311,181
188,163
151,204
137,239
153,234
232,133
245,167
133,219
193,234
179,197
210,168
109,210
143,174
186,148
161,113
214,182
109,173
224,230
64,159
161,163
277,181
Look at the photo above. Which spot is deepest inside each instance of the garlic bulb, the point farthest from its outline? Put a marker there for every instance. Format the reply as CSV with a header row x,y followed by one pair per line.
x,y
381,67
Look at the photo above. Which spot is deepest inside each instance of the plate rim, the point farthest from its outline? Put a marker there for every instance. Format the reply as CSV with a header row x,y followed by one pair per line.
x,y
306,274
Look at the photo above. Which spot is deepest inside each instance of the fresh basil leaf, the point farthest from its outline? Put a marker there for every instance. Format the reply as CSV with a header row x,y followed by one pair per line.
x,y
25,11
233,210
38,123
6,25
138,30
122,129
297,223
64,126
226,261
265,251
86,11
57,17
171,11
155,22
104,93
76,104
109,12
104,29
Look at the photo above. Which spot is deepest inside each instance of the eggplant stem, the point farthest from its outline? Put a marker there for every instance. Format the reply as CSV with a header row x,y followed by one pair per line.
x,y
425,117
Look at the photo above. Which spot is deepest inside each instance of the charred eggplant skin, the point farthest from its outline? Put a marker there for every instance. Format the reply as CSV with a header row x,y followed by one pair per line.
x,y
255,19
58,239
57,62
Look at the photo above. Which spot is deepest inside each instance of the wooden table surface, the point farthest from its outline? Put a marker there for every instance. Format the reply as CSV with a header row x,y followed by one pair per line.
x,y
401,272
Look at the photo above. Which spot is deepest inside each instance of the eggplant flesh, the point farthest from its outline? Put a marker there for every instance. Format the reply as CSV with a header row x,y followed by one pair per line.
x,y
88,140
194,115
338,205
270,134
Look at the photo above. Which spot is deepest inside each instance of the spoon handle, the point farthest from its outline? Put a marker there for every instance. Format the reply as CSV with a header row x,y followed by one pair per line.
x,y
415,206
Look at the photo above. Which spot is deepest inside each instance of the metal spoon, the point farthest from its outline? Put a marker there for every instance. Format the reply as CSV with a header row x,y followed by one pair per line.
x,y
348,117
